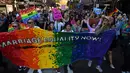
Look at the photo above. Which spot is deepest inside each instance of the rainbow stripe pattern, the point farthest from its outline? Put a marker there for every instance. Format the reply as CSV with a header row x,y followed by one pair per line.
x,y
41,49
36,56
116,10
29,13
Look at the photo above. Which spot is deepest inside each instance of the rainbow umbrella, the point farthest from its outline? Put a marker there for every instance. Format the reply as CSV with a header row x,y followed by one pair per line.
x,y
22,25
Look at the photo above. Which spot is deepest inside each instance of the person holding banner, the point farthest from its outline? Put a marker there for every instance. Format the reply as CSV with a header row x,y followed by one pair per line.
x,y
113,45
5,64
16,26
67,29
32,25
92,30
105,26
94,26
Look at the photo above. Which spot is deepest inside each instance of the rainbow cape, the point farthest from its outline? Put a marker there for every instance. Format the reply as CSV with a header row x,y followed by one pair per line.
x,y
22,26
29,13
116,10
41,49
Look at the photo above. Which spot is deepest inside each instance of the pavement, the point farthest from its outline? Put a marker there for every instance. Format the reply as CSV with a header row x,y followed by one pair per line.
x,y
82,66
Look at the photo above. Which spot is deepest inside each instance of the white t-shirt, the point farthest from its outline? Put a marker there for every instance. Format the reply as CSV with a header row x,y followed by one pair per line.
x,y
36,27
58,25
67,31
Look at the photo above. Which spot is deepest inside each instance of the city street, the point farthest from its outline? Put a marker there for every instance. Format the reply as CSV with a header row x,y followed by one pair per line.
x,y
44,34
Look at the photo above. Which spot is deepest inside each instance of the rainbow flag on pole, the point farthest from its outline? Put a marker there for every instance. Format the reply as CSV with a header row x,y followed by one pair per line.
x,y
29,13
116,10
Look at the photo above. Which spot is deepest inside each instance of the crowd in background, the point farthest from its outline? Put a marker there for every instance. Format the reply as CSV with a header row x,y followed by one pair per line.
x,y
77,21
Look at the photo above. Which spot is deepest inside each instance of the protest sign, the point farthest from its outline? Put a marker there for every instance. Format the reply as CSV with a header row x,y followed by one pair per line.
x,y
56,14
41,49
97,11
29,13
115,10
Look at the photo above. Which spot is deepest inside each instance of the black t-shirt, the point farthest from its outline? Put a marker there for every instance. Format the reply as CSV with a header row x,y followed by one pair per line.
x,y
84,25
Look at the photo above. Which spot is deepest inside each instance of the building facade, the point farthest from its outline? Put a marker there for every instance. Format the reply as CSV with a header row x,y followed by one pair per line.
x,y
6,6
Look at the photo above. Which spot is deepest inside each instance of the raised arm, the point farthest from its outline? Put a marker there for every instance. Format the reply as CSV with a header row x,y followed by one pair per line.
x,y
99,23
89,27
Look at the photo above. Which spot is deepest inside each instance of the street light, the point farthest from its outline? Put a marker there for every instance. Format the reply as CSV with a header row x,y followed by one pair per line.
x,y
15,4
95,3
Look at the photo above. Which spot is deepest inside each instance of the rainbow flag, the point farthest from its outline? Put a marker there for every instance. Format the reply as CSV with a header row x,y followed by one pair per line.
x,y
116,10
29,13
22,26
41,49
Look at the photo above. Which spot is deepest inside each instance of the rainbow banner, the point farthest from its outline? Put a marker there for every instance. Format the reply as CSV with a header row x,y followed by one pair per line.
x,y
116,10
29,13
41,49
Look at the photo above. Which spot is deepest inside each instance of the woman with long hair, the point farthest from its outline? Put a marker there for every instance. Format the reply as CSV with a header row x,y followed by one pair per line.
x,y
68,28
77,26
51,27
83,24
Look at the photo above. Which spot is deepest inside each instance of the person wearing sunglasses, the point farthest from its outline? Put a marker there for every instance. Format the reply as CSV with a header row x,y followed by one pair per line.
x,y
31,24
16,26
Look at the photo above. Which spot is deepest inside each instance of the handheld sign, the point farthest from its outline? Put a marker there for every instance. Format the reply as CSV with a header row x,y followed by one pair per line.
x,y
97,11
56,14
